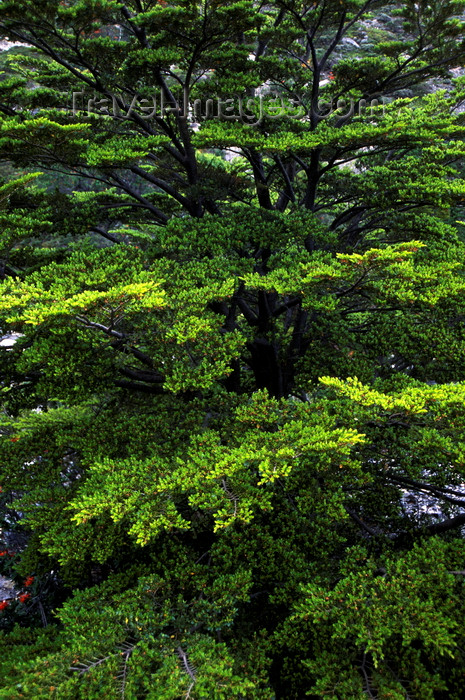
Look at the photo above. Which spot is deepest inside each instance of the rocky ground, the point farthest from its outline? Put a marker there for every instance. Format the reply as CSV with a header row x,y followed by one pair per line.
x,y
5,44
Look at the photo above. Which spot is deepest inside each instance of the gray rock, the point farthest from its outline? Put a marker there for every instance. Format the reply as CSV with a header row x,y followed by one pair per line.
x,y
7,588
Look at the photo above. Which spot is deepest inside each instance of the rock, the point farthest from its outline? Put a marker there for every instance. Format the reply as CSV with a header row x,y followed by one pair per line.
x,y
7,588
8,340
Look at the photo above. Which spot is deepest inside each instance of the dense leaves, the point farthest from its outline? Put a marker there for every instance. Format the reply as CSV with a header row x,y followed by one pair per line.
x,y
231,263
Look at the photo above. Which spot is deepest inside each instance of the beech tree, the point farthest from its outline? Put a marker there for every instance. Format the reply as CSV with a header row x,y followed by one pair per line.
x,y
231,446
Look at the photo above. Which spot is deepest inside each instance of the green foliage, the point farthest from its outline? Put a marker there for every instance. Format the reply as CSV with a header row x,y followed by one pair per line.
x,y
231,427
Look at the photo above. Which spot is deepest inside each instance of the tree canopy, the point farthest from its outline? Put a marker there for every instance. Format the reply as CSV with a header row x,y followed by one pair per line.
x,y
231,429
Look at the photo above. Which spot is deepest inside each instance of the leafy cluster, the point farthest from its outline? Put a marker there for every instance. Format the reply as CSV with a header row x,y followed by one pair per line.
x,y
233,404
